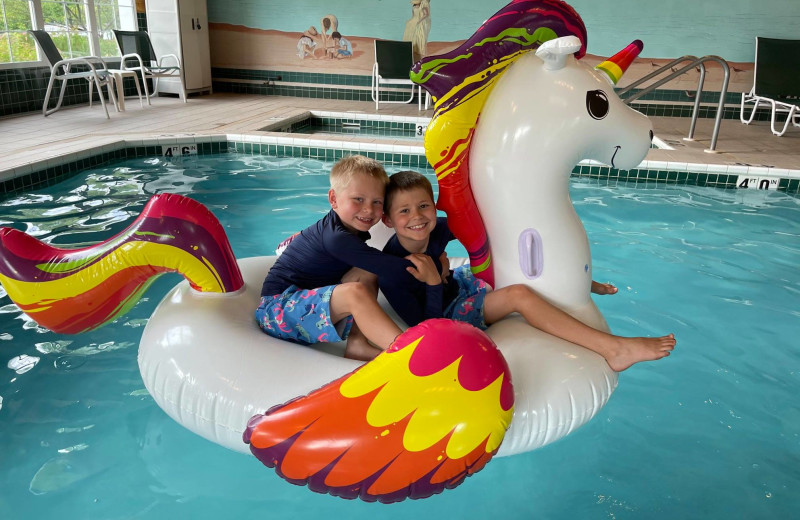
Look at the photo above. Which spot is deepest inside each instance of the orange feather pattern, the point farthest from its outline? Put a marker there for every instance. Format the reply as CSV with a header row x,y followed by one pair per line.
x,y
416,420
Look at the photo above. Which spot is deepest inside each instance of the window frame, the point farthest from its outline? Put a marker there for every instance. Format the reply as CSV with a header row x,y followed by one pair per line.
x,y
37,20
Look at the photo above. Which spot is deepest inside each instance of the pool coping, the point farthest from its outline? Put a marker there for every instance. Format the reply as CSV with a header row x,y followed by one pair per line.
x,y
65,163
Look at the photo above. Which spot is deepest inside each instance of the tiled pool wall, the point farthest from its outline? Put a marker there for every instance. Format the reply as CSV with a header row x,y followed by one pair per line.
x,y
23,90
367,125
52,171
664,103
363,121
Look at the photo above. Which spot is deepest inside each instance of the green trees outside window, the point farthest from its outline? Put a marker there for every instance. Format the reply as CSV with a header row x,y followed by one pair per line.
x,y
15,43
68,23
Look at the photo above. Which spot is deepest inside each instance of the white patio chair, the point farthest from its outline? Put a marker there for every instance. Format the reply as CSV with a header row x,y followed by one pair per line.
x,y
776,82
393,62
94,71
138,54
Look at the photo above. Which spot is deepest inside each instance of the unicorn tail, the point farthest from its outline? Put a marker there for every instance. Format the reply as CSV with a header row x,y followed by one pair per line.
x,y
75,290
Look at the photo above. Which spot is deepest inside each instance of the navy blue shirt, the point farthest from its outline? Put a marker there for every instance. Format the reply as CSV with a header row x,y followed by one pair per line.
x,y
322,253
416,301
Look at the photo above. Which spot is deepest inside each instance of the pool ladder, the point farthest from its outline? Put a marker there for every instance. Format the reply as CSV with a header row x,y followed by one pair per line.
x,y
693,62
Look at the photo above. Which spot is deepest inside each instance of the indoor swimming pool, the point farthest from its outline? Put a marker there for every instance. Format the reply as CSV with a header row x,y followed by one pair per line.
x,y
713,431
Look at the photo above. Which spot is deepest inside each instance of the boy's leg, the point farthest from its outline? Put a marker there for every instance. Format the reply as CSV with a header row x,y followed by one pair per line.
x,y
355,299
356,274
619,352
358,347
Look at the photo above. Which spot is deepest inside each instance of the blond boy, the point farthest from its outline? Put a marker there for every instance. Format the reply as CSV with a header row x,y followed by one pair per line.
x,y
313,293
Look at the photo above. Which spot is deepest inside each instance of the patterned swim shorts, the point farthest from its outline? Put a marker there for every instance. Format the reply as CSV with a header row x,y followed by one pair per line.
x,y
468,305
301,316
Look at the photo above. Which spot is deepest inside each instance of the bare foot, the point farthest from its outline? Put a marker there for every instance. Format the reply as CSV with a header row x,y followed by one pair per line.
x,y
603,288
360,349
634,350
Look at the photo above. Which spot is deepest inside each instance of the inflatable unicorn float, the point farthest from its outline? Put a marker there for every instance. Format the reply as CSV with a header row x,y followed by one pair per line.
x,y
515,110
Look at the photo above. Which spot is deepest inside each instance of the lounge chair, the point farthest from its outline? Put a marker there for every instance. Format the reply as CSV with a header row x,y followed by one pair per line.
x,y
776,82
94,71
138,54
393,62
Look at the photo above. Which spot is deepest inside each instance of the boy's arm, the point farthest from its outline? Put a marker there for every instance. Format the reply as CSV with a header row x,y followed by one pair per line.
x,y
425,271
351,250
405,303
442,221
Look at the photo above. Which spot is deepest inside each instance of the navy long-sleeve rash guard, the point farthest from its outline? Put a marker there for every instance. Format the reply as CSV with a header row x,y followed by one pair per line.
x,y
416,301
322,253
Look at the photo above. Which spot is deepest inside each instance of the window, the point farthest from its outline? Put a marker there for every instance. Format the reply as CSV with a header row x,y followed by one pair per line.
x,y
110,15
15,43
66,22
78,27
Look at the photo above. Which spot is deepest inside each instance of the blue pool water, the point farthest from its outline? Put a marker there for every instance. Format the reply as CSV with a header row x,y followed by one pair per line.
x,y
711,432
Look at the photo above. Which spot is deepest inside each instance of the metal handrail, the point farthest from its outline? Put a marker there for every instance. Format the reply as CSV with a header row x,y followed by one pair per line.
x,y
694,62
654,74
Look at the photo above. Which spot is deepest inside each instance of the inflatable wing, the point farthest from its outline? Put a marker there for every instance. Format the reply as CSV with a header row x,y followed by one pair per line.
x,y
416,420
70,291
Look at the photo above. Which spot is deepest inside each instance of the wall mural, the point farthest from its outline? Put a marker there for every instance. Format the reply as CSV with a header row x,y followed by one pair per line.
x,y
326,46
336,36
418,27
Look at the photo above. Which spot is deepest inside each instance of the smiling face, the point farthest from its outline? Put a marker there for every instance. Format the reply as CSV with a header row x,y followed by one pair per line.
x,y
413,216
359,204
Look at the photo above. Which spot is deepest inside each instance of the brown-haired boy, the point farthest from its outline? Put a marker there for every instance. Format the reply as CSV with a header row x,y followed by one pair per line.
x,y
422,237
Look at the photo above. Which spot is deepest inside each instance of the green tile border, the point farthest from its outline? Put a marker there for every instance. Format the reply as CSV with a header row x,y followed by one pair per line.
x,y
24,89
336,125
662,176
54,174
663,103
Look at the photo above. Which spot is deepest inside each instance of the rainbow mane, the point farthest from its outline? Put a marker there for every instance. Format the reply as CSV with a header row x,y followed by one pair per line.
x,y
460,82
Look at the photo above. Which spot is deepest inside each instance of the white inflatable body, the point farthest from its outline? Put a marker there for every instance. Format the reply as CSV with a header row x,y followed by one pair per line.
x,y
207,364
521,160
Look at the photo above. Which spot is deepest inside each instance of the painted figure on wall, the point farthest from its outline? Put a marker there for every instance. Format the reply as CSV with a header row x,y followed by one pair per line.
x,y
342,47
330,25
307,43
325,44
418,27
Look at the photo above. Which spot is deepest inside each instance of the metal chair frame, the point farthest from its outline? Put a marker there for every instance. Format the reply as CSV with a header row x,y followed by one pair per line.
x,y
96,73
393,62
775,84
136,48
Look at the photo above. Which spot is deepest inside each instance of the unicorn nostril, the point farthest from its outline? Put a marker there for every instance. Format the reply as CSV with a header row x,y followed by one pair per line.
x,y
651,136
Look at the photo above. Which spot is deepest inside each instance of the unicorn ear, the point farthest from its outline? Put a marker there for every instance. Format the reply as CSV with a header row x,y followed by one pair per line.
x,y
554,52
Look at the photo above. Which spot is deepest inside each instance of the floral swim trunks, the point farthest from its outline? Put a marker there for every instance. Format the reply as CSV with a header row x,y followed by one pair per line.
x,y
301,316
468,305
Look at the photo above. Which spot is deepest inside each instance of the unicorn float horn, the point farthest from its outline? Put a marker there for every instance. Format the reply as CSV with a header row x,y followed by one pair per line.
x,y
616,65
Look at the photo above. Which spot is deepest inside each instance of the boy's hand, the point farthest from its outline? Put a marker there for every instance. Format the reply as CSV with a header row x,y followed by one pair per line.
x,y
424,269
445,266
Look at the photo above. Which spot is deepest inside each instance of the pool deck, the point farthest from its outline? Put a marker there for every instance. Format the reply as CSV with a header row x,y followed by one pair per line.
x,y
30,139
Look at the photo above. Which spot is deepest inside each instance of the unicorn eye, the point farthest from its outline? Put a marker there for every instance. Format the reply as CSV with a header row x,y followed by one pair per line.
x,y
597,104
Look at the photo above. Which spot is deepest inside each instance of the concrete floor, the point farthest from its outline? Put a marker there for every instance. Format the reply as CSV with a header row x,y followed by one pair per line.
x,y
28,140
